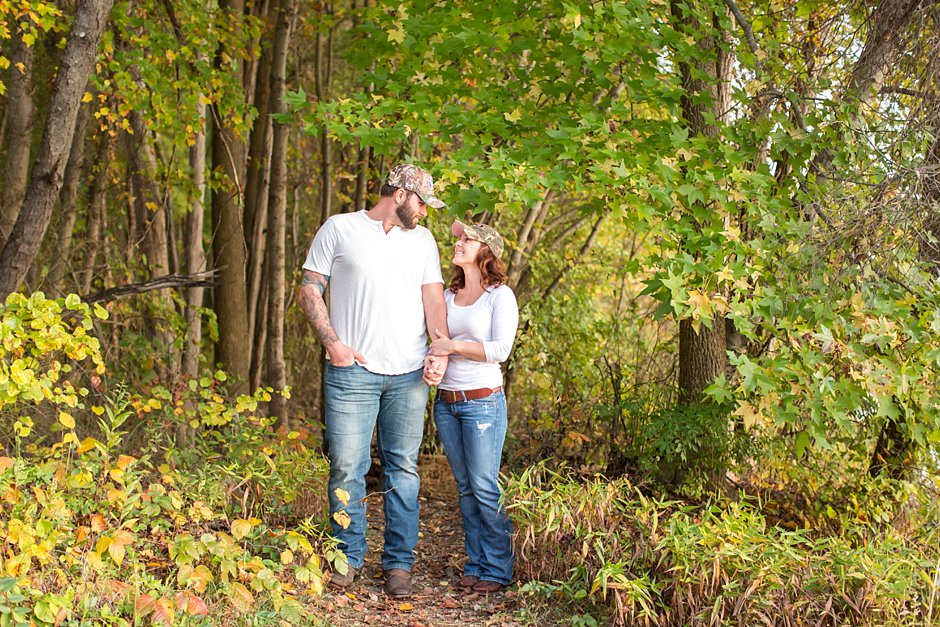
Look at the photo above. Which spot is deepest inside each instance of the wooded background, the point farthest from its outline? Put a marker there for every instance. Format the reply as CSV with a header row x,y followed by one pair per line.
x,y
722,221
706,204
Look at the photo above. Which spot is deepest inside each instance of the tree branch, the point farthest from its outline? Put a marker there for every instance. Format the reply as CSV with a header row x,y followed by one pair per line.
x,y
198,279
745,26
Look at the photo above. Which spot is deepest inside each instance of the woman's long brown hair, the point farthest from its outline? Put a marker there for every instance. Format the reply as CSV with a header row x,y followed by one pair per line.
x,y
491,269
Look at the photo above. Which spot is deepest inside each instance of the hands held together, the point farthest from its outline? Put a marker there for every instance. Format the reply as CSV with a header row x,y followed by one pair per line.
x,y
436,361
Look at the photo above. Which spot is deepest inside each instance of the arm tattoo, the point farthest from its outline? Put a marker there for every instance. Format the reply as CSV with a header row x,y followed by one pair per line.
x,y
317,280
311,301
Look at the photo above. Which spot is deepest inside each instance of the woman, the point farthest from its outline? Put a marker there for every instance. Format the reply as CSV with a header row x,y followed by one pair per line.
x,y
470,409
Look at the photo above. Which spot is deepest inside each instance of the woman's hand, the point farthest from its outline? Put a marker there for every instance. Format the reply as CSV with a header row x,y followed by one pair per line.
x,y
434,368
442,346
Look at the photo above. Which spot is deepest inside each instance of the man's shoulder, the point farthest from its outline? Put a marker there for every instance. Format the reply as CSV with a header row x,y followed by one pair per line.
x,y
344,219
422,233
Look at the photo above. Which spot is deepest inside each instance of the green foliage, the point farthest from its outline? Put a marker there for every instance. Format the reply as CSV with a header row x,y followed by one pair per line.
x,y
94,533
29,19
38,337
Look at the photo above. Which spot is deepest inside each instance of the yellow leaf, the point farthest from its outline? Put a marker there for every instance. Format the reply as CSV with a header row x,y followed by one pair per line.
x,y
724,275
702,304
98,523
242,598
86,445
240,528
124,461
163,612
748,413
513,116
200,578
94,560
397,34
5,462
406,607
66,420
86,97
342,495
123,537
733,233
97,410
342,519
287,556
116,551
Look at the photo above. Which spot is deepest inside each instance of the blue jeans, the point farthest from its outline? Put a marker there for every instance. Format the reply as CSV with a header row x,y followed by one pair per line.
x,y
356,402
472,433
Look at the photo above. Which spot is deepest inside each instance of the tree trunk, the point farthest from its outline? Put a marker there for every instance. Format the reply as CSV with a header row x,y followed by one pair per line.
x,y
195,256
705,95
228,243
362,178
323,69
147,205
256,192
96,210
277,219
76,66
888,23
62,255
18,137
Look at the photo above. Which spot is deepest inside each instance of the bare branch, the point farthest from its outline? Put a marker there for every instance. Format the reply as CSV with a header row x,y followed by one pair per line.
x,y
198,279
745,26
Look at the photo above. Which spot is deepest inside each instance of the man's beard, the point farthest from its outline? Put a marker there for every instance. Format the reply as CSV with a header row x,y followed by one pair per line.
x,y
407,216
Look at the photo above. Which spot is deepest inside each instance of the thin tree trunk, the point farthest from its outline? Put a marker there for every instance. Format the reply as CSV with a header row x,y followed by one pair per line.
x,y
259,337
146,201
229,247
362,178
195,257
256,191
323,69
62,255
277,222
18,136
96,211
77,64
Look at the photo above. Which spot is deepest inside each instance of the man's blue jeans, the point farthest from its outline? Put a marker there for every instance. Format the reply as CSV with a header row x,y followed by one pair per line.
x,y
472,433
358,401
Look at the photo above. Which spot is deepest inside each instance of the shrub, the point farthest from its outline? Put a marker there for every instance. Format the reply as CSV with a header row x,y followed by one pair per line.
x,y
636,560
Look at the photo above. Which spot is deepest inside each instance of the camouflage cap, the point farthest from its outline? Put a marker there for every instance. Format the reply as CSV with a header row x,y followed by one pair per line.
x,y
414,179
480,233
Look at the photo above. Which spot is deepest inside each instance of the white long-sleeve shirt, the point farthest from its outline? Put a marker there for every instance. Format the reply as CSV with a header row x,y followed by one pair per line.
x,y
492,321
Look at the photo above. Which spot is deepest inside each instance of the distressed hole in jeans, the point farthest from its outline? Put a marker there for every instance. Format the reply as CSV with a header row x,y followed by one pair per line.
x,y
483,426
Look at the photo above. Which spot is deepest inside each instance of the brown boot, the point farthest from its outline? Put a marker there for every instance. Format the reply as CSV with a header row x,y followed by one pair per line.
x,y
488,587
397,583
468,581
343,581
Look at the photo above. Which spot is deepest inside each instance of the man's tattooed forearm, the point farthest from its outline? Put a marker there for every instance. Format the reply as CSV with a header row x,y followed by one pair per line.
x,y
315,310
317,281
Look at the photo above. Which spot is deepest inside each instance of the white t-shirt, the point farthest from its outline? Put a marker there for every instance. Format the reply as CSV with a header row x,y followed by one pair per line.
x,y
492,320
375,288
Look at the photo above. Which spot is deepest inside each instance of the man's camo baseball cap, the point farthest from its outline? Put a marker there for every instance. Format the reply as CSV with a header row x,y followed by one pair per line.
x,y
480,233
417,180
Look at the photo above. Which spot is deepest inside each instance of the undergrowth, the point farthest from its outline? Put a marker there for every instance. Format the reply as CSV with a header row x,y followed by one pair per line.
x,y
634,560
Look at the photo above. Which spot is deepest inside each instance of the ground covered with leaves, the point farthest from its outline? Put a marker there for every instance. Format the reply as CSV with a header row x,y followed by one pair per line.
x,y
437,600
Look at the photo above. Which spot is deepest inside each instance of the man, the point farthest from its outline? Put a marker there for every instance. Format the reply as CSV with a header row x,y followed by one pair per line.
x,y
386,291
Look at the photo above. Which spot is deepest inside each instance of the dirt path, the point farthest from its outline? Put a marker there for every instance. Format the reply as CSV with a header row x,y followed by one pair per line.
x,y
437,601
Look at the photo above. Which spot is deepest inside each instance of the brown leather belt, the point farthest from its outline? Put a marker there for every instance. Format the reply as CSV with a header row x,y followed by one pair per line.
x,y
465,395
